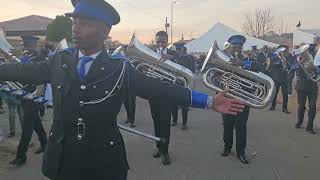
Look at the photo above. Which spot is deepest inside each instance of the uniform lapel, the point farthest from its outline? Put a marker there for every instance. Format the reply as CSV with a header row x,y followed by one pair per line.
x,y
98,67
70,64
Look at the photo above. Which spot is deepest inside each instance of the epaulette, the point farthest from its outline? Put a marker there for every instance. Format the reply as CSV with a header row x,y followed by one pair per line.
x,y
118,56
69,50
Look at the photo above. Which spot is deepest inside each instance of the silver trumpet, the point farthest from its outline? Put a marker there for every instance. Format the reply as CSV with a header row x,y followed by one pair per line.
x,y
254,89
307,63
152,64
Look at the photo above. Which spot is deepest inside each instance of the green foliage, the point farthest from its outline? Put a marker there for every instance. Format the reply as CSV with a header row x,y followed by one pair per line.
x,y
60,28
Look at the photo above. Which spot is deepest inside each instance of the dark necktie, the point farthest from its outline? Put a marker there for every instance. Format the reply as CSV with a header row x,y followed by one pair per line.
x,y
83,61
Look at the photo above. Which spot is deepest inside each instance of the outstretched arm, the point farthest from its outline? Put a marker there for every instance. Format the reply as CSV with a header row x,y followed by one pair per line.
x,y
156,90
33,73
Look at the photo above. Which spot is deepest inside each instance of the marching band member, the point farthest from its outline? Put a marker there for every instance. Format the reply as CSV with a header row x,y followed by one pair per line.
x,y
187,61
161,110
306,89
264,58
238,121
254,52
30,109
13,106
279,73
88,90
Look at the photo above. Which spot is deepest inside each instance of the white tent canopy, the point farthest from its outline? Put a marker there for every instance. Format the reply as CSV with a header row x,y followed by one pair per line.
x,y
308,36
221,34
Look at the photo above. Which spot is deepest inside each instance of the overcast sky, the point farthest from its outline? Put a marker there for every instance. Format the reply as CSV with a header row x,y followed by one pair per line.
x,y
191,17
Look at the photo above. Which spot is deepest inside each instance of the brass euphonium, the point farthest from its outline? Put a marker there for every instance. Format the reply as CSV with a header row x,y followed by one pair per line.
x,y
282,58
5,53
307,63
152,64
254,89
63,44
6,48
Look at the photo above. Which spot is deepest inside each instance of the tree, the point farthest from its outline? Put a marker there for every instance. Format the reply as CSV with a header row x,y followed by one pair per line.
x,y
282,26
259,23
60,28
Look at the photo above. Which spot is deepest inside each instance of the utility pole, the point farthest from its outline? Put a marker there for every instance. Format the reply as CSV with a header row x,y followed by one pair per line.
x,y
167,25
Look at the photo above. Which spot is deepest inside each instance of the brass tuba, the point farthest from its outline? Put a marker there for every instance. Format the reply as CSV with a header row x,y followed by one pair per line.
x,y
152,64
254,89
306,62
7,56
282,59
63,44
6,48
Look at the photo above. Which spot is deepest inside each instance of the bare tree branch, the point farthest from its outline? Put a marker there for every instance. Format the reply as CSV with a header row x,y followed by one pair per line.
x,y
259,23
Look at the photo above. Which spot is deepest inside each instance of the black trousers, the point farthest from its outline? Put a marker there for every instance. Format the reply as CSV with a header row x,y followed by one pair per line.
x,y
312,99
1,102
184,113
130,106
284,89
31,121
238,122
290,79
92,173
42,110
161,115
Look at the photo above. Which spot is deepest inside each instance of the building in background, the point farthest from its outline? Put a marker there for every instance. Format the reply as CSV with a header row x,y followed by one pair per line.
x,y
30,25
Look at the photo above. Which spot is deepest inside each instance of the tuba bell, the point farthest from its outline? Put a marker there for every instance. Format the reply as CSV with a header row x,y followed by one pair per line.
x,y
7,56
152,64
307,63
63,44
6,48
254,89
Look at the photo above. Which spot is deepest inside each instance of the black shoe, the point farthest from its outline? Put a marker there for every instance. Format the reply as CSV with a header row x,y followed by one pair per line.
x,y
39,151
127,121
174,123
286,111
2,111
297,126
166,159
184,127
132,125
311,131
272,108
226,152
11,134
18,162
157,153
243,159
